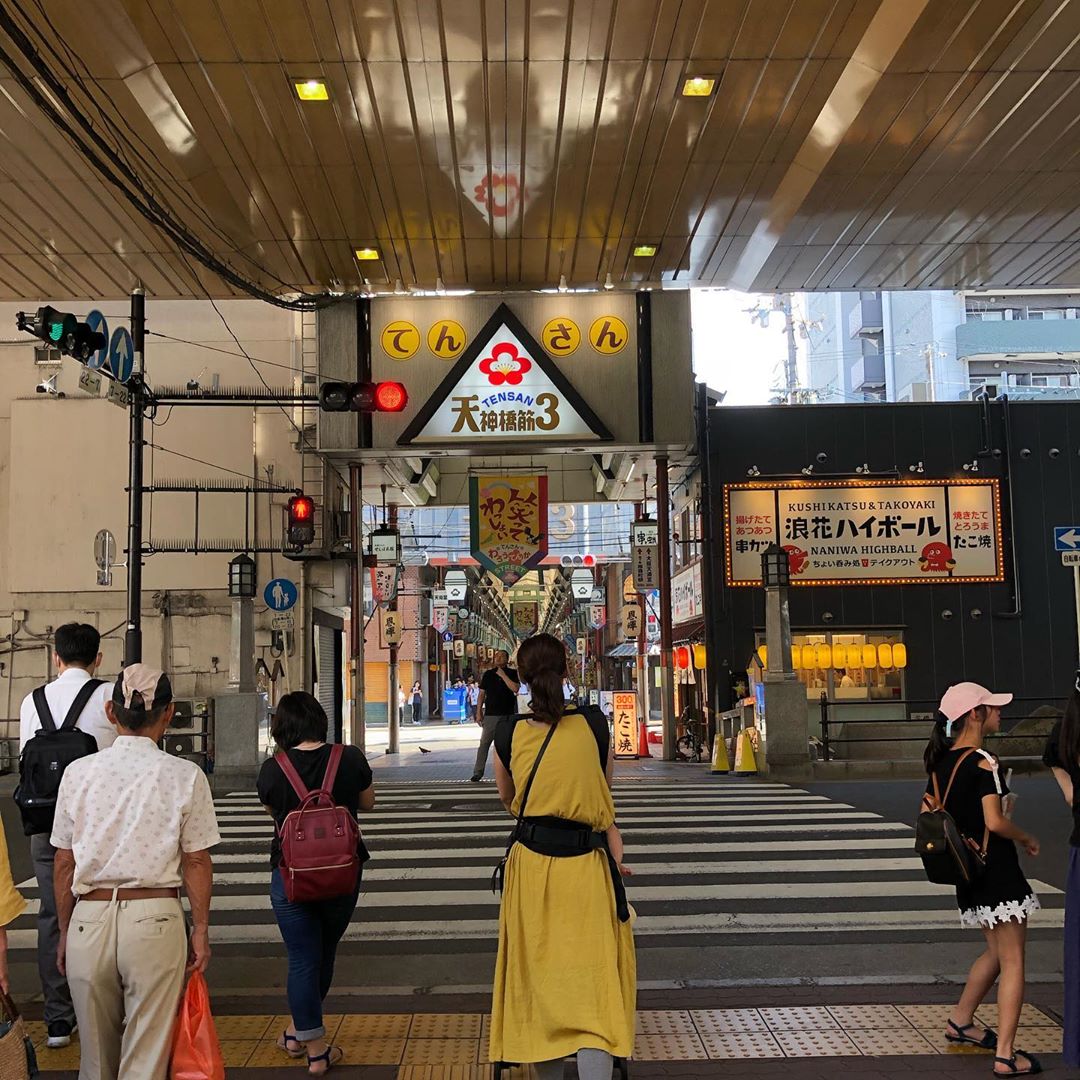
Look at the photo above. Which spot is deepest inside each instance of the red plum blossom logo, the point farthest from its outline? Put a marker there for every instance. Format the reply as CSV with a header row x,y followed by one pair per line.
x,y
505,365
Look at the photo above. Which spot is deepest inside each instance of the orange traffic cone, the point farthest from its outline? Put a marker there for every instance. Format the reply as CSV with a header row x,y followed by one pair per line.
x,y
643,739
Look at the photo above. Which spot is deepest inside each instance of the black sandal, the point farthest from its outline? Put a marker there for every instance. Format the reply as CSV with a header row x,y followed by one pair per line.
x,y
286,1038
1035,1067
328,1058
987,1042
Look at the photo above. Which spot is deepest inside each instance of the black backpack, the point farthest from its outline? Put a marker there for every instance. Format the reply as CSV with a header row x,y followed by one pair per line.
x,y
949,857
47,755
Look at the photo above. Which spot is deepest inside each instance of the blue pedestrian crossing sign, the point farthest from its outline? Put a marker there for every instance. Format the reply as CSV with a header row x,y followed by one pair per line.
x,y
1067,538
447,636
280,594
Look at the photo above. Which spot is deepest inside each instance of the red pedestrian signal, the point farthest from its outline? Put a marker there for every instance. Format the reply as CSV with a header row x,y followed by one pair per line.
x,y
366,397
301,525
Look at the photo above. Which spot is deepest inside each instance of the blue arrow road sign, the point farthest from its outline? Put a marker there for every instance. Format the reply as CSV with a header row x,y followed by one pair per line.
x,y
280,594
121,354
1067,538
96,321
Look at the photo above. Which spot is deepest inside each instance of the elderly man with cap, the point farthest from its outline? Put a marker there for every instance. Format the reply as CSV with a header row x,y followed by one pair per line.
x,y
132,825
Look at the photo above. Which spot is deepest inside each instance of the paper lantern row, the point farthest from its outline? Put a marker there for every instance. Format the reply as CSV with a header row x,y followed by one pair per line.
x,y
821,657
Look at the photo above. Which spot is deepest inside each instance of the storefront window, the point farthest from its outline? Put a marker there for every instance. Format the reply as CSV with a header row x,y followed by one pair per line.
x,y
847,666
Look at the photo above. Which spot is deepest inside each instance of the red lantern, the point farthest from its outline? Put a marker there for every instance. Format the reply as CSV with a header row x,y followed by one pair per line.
x,y
682,657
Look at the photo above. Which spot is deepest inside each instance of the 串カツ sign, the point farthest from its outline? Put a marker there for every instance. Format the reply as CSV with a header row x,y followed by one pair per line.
x,y
858,532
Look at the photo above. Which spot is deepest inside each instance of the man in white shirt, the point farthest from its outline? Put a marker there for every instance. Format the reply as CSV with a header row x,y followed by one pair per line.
x,y
132,825
77,657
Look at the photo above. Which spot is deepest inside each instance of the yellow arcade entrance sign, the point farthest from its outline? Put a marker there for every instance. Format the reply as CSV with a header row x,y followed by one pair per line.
x,y
400,339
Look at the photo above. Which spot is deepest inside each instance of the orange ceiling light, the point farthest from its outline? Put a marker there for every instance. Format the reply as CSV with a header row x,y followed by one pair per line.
x,y
311,90
698,86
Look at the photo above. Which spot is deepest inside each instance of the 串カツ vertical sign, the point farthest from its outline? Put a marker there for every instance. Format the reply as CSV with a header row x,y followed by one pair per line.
x,y
508,523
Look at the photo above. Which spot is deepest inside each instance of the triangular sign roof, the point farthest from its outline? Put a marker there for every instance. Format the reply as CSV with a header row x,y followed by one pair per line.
x,y
505,388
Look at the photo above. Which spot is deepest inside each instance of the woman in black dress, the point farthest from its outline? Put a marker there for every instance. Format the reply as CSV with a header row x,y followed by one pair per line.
x,y
1000,900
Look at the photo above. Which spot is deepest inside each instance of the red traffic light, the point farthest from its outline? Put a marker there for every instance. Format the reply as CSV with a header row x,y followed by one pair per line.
x,y
390,397
301,524
301,508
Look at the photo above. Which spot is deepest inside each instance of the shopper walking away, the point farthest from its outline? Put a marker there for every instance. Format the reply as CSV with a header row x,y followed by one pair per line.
x,y
74,699
496,700
565,976
132,824
311,930
998,900
1062,756
416,699
12,906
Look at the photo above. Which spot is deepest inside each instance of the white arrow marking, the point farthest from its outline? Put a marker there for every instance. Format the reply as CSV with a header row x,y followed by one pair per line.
x,y
1072,537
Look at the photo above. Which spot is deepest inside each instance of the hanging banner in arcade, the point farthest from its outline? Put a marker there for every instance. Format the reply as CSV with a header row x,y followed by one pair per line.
x,y
885,532
508,523
624,705
524,618
505,387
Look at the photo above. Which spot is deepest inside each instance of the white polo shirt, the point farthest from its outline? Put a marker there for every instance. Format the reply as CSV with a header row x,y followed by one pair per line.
x,y
60,693
129,812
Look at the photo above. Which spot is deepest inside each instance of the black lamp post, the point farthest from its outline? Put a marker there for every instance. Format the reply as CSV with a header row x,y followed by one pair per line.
x,y
242,577
775,568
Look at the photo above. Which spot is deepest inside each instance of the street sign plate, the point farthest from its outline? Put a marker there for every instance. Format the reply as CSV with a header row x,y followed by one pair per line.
x,y
448,646
96,322
118,394
1067,538
386,546
284,622
280,594
121,358
1070,558
90,381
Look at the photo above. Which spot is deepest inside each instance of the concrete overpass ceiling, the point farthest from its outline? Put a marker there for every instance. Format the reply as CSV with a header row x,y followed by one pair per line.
x,y
503,145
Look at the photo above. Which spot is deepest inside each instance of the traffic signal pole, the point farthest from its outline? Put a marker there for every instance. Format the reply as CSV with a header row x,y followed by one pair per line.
x,y
356,616
136,445
393,713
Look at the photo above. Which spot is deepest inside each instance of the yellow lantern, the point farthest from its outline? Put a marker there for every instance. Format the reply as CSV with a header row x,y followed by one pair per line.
x,y
899,655
823,656
839,656
763,655
869,656
854,656
884,655
699,657
796,657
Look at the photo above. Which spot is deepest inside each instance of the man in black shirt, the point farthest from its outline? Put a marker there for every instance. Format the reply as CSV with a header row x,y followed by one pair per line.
x,y
498,699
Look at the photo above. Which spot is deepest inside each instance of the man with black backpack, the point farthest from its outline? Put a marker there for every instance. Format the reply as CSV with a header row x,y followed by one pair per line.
x,y
58,724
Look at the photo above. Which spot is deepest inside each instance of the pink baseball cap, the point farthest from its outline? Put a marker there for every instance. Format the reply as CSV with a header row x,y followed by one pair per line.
x,y
960,699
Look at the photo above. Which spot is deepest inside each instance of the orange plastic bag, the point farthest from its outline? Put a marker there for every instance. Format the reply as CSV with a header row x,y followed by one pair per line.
x,y
196,1052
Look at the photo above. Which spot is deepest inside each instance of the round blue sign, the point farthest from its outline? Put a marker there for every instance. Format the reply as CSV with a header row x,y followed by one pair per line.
x,y
121,354
96,321
280,594
447,636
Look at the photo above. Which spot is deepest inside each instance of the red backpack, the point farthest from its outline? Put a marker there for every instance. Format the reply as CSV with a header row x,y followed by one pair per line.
x,y
318,840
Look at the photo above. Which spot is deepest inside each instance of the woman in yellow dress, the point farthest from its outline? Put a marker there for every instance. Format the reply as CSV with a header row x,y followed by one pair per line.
x,y
565,977
12,906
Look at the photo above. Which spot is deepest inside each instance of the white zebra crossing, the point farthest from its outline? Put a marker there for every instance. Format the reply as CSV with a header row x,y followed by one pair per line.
x,y
716,857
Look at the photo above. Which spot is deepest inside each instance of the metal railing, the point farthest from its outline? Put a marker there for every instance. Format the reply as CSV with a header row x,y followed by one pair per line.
x,y
1009,715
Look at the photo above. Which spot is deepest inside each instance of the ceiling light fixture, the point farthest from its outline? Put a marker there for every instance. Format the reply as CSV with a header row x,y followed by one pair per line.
x,y
698,86
646,251
368,254
311,90
608,283
563,287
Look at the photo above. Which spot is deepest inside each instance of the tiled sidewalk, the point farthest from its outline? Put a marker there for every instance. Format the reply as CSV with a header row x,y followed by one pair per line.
x,y
690,1041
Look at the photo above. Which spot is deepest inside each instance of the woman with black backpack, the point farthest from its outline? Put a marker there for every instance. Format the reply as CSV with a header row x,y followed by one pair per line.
x,y
966,782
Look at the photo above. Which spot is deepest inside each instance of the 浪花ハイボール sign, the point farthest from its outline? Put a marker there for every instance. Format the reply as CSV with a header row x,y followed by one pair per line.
x,y
856,532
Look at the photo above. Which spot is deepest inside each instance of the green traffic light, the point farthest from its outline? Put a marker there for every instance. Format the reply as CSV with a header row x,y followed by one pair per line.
x,y
56,331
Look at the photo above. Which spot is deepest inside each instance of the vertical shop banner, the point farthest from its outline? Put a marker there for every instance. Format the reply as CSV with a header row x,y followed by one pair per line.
x,y
597,616
630,622
524,618
686,599
885,532
440,619
384,583
508,518
625,706
645,554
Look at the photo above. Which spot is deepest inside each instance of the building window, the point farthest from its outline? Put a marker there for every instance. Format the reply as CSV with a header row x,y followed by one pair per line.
x,y
845,680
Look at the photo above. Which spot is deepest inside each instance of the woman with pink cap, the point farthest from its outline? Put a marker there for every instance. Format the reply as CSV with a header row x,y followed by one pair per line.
x,y
1000,900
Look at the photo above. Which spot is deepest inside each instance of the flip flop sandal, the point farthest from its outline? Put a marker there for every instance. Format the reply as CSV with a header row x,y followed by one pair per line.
x,y
283,1044
334,1056
1035,1067
987,1042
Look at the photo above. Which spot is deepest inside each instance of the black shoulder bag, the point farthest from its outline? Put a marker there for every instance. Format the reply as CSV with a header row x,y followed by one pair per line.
x,y
500,870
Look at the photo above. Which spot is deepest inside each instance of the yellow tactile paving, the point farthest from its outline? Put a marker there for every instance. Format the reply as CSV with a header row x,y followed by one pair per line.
x,y
279,1023
889,1041
375,1026
800,1018
926,1016
936,1037
668,1048
865,1017
362,1050
1039,1040
441,1052
805,1044
665,1022
237,1052
1030,1016
247,1027
266,1055
723,1021
728,1045
445,1026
